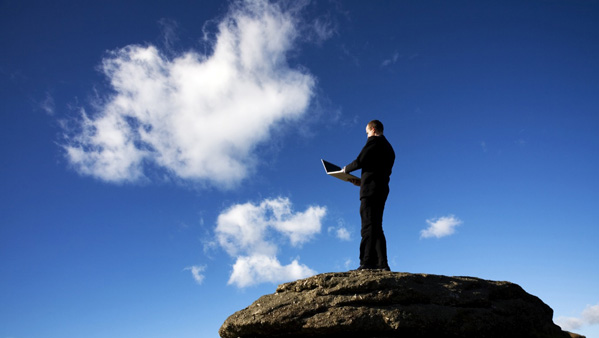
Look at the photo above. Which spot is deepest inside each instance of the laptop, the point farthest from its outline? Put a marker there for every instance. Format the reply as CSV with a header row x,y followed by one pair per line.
x,y
336,171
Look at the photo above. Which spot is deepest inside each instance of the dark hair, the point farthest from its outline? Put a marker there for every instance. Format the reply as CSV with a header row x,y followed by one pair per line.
x,y
376,125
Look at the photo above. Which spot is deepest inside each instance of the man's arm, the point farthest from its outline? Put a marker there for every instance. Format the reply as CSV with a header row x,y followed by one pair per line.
x,y
355,181
358,163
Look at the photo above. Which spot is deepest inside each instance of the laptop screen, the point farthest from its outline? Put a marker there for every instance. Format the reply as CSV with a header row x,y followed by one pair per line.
x,y
329,167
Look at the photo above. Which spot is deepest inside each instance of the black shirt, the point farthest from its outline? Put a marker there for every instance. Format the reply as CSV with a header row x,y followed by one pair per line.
x,y
376,161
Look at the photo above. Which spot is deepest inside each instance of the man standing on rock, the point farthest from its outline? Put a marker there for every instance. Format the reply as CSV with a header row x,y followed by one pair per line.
x,y
376,161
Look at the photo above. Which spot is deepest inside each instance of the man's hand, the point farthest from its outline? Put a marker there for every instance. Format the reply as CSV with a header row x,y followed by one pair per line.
x,y
355,181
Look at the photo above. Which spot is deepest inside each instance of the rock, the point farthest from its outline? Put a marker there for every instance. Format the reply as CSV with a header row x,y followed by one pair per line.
x,y
380,304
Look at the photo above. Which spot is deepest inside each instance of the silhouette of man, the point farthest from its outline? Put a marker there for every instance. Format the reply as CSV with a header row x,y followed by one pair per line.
x,y
376,161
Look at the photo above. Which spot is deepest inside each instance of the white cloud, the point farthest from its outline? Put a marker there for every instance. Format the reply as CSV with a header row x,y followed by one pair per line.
x,y
340,232
47,104
440,227
343,234
169,28
348,263
391,60
589,316
324,28
248,233
256,269
569,323
196,272
198,117
243,227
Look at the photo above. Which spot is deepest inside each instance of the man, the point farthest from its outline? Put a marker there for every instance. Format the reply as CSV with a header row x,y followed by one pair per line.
x,y
376,161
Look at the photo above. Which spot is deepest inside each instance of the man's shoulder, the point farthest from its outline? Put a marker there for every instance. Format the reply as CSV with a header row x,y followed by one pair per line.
x,y
381,139
388,148
377,138
378,142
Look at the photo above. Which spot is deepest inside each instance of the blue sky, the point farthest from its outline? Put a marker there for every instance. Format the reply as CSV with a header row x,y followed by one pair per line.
x,y
161,160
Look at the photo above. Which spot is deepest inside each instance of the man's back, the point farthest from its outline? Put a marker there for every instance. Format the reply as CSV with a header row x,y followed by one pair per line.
x,y
376,161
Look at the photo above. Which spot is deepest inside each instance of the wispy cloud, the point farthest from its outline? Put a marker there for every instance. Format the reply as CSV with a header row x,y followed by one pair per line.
x,y
440,227
343,234
324,28
391,60
250,232
483,146
340,231
197,117
169,28
197,272
47,104
589,316
348,263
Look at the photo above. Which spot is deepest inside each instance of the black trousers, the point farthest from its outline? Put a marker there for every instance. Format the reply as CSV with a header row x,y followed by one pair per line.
x,y
373,247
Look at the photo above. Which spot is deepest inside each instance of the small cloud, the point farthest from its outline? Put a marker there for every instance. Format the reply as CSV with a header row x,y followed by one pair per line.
x,y
47,104
483,145
209,245
348,263
250,233
440,227
569,323
169,28
196,272
343,234
391,60
589,316
324,29
520,142
350,55
340,232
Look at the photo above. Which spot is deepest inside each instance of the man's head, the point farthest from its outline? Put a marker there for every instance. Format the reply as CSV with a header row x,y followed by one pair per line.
x,y
374,128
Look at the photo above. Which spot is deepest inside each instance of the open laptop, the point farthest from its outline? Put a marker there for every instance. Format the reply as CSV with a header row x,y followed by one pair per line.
x,y
336,171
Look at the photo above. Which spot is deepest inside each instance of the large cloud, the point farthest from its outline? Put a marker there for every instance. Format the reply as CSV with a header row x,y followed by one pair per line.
x,y
199,117
249,233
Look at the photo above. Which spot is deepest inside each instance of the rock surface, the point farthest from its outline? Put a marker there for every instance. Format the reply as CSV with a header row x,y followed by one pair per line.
x,y
391,304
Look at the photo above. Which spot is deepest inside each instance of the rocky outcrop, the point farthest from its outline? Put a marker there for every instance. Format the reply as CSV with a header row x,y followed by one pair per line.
x,y
392,304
